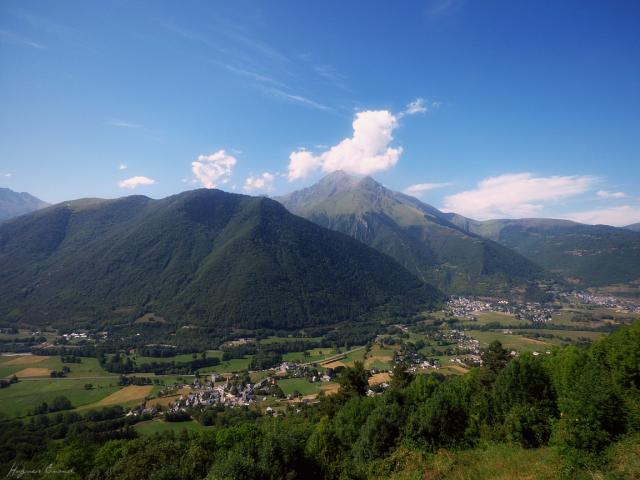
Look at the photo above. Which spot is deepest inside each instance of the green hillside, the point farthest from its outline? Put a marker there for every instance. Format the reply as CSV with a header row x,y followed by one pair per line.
x,y
587,255
203,257
417,235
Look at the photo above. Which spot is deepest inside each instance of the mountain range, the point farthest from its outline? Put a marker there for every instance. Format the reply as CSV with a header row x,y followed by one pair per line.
x,y
200,257
635,227
417,235
466,256
13,204
585,255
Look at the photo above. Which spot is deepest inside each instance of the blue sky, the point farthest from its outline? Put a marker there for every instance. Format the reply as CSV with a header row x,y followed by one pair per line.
x,y
491,109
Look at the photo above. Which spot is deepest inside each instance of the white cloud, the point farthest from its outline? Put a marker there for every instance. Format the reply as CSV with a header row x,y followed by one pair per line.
x,y
212,169
122,166
605,194
515,195
616,216
8,175
133,182
262,182
122,124
367,151
417,106
420,188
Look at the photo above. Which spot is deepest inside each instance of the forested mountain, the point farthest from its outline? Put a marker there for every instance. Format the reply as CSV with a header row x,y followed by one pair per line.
x,y
418,236
200,257
13,204
588,255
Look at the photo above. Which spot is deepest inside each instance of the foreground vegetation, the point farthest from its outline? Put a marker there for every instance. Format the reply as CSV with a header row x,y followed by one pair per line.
x,y
570,414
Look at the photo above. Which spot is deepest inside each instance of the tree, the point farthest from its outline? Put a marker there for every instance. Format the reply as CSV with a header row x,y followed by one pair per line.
x,y
401,377
495,357
354,381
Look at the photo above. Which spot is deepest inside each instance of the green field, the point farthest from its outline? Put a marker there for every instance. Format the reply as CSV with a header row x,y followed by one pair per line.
x,y
268,340
229,366
316,355
504,319
511,342
302,385
20,398
89,367
158,426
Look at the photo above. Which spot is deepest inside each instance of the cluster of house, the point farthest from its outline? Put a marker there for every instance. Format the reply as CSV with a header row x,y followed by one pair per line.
x,y
464,307
213,391
603,301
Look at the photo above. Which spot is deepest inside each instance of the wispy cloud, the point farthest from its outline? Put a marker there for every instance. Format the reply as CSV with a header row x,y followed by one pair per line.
x,y
122,124
122,166
7,36
419,188
605,194
516,195
439,8
298,99
7,175
419,105
134,182
616,216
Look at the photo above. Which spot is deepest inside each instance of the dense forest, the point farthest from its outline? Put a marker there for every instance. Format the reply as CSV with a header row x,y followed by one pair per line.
x,y
580,402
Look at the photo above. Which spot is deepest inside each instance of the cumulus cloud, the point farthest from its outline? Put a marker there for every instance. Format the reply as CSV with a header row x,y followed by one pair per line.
x,y
367,151
213,169
419,188
605,194
262,182
133,182
616,216
515,195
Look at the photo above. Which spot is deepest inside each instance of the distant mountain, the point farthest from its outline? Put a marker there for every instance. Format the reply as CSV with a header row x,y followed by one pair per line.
x,y
202,257
418,236
586,255
635,227
13,204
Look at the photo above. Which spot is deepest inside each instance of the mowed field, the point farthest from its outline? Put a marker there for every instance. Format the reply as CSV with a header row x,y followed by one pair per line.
x,y
10,365
22,397
504,319
511,341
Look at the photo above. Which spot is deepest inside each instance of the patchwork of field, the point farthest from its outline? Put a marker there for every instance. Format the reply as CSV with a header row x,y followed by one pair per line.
x,y
10,365
379,358
33,372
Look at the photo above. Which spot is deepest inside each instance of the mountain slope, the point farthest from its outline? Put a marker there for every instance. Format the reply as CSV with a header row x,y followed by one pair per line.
x,y
635,227
202,257
13,204
587,255
417,235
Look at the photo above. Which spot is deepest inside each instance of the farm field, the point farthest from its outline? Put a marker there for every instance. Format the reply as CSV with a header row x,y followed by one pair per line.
x,y
504,319
511,342
302,385
315,355
22,397
379,357
560,335
89,367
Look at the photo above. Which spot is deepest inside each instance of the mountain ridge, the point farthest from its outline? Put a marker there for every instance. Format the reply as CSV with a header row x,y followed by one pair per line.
x,y
202,257
13,204
417,235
